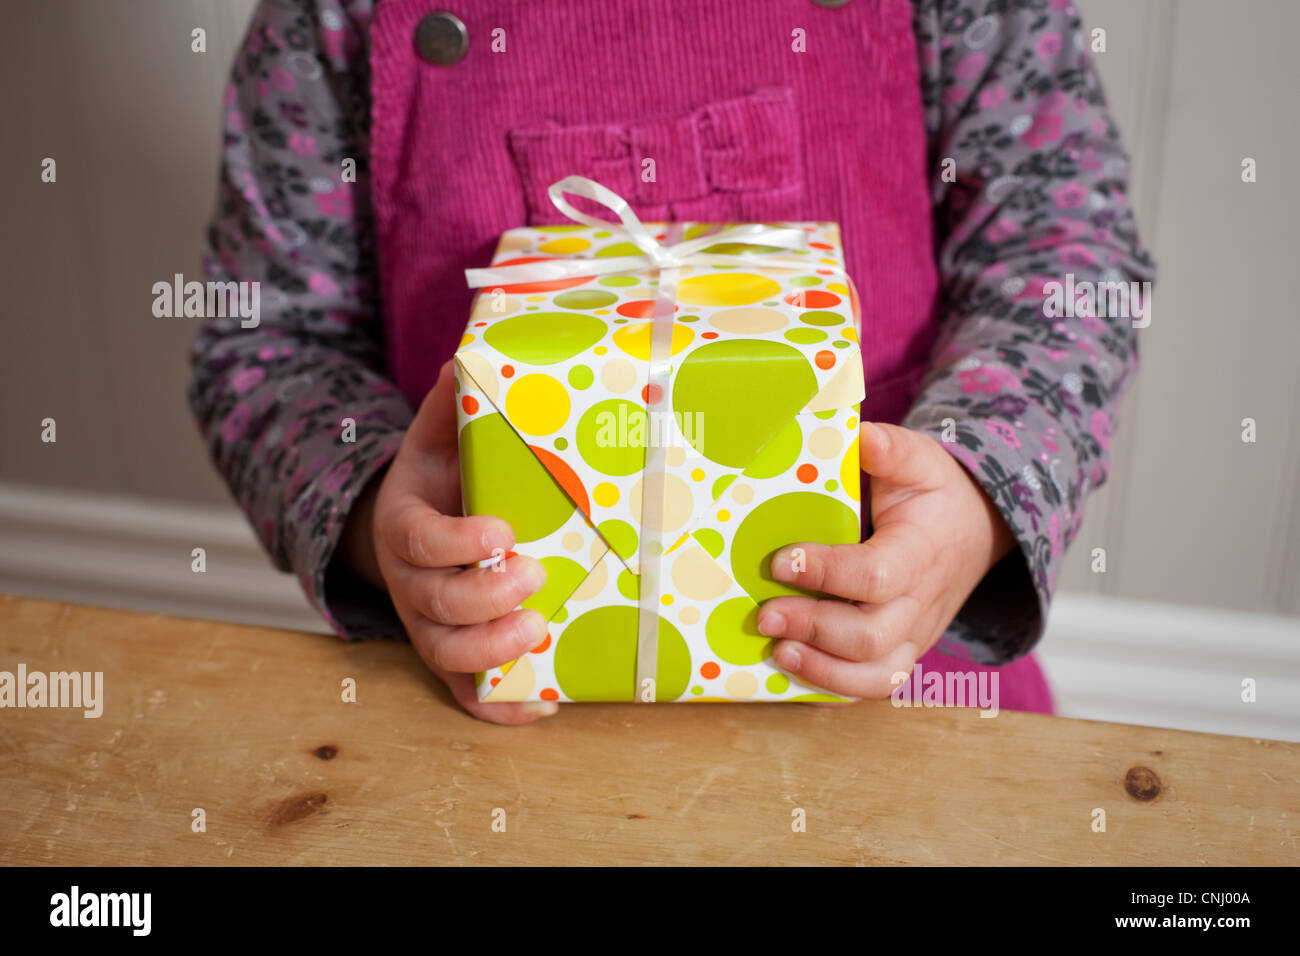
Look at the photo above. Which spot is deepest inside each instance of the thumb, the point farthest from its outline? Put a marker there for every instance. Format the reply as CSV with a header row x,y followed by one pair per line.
x,y
900,456
434,425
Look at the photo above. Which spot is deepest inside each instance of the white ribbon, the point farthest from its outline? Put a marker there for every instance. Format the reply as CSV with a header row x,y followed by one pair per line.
x,y
654,254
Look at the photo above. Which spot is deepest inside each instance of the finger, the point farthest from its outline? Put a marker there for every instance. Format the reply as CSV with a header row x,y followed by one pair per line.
x,y
462,687
434,425
425,538
870,679
478,647
853,632
473,596
901,456
888,564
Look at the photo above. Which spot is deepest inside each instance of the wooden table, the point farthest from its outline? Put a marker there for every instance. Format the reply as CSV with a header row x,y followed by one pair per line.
x,y
249,725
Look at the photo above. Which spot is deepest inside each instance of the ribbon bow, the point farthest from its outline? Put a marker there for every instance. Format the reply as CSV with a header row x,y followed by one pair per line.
x,y
654,255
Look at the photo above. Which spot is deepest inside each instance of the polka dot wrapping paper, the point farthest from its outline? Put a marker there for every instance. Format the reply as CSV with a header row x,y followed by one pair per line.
x,y
761,451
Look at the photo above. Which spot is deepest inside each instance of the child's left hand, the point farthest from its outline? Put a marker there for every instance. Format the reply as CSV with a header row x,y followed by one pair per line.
x,y
936,534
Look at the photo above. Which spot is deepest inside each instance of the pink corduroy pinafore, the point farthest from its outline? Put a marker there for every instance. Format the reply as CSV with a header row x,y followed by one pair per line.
x,y
752,112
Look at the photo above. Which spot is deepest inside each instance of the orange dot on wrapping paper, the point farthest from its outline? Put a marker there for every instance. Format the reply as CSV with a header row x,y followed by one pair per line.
x,y
652,394
812,299
549,694
542,646
640,309
710,670
807,474
479,325
709,335
494,681
821,245
470,404
538,286
564,476
507,371
825,359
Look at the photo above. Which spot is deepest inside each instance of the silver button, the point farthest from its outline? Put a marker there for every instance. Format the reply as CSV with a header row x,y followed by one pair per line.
x,y
830,3
441,38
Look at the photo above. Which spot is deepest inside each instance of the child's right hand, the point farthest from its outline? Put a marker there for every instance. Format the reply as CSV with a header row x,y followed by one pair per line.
x,y
404,537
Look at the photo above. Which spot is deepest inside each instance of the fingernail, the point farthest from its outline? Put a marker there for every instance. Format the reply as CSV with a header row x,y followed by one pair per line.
x,y
878,436
783,565
788,656
542,708
534,628
771,623
532,576
498,536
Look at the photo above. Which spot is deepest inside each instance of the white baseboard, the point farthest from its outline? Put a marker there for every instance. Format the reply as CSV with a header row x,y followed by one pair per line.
x,y
1163,665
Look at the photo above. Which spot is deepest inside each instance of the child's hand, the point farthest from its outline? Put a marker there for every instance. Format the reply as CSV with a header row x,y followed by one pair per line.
x,y
404,537
936,534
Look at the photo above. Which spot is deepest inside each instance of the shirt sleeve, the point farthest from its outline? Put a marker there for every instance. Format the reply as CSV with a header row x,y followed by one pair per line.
x,y
291,396
1030,183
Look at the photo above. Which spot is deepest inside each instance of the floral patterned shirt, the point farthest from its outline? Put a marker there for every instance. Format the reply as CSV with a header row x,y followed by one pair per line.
x,y
1029,183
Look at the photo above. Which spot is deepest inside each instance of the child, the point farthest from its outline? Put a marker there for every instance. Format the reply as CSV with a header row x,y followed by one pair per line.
x,y
374,151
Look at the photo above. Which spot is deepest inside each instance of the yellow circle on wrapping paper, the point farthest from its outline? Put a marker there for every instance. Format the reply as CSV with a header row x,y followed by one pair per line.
x,y
851,472
466,339
728,288
850,333
535,298
839,287
565,246
666,600
605,494
537,404
635,339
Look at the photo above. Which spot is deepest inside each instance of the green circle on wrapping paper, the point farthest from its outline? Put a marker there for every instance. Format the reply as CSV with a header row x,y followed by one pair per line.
x,y
619,249
827,415
840,344
620,535
508,480
612,436
732,632
585,299
745,389
832,485
563,575
581,377
822,317
710,540
561,444
721,485
806,281
629,585
777,522
595,657
546,337
779,455
687,318
697,690
805,336
618,282
777,684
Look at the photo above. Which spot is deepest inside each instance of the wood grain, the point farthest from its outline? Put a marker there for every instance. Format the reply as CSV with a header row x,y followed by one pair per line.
x,y
249,724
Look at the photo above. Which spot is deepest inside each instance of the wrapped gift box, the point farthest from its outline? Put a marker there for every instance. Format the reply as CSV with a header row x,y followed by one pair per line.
x,y
760,451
